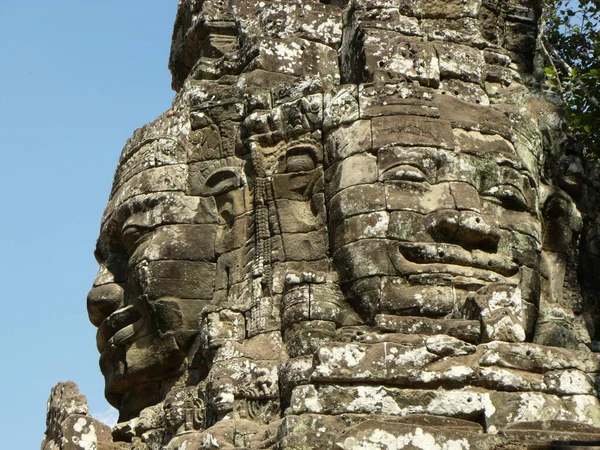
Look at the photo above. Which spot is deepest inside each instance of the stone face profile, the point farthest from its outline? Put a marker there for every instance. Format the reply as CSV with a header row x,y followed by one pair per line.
x,y
361,225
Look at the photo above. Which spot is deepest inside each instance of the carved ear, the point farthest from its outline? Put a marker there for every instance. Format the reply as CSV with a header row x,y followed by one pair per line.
x,y
301,158
224,180
220,181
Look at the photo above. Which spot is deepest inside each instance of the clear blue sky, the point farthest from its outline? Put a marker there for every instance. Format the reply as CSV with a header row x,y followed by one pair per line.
x,y
76,79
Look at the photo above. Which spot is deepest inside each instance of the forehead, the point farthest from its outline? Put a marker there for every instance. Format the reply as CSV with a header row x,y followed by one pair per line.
x,y
432,144
369,117
150,211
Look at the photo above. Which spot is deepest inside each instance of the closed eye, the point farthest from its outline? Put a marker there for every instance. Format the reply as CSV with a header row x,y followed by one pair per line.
x,y
403,172
510,196
133,235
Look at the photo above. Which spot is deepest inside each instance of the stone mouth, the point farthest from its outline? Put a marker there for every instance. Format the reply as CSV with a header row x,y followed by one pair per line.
x,y
454,260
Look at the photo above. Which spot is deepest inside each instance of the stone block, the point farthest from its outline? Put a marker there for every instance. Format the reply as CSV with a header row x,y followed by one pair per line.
x,y
340,106
461,62
297,186
155,151
466,30
537,358
485,119
297,57
407,226
181,242
411,131
227,110
328,303
505,408
399,98
220,326
230,269
296,304
557,431
347,140
420,198
310,431
399,298
497,379
383,435
171,278
352,361
351,259
308,246
379,400
240,385
399,56
465,91
295,372
474,141
499,308
406,6
297,216
362,226
570,382
234,235
305,338
390,19
83,432
355,170
356,200
467,330
165,179
454,9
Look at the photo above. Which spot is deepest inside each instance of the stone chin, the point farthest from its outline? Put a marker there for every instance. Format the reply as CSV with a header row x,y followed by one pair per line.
x,y
140,346
134,371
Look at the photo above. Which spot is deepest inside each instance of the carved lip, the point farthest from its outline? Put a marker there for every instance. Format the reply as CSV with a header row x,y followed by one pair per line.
x,y
421,257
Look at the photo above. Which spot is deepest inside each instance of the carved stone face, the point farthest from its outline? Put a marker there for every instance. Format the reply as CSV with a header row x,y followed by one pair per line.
x,y
423,216
157,259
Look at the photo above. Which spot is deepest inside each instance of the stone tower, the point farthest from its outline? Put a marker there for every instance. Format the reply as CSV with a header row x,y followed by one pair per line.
x,y
360,225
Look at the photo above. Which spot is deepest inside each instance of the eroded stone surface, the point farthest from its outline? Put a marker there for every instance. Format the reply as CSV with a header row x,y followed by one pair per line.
x,y
69,425
359,226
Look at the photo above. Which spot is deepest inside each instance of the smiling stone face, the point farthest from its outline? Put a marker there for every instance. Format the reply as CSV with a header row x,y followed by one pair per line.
x,y
159,254
426,216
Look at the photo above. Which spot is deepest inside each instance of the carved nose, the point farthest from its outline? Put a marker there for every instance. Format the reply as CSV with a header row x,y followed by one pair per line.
x,y
103,300
465,228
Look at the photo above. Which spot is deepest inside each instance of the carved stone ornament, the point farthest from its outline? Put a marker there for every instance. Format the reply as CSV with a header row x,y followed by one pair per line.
x,y
360,226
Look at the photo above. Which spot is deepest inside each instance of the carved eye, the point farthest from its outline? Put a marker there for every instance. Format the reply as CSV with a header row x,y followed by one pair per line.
x,y
300,159
510,196
403,172
133,236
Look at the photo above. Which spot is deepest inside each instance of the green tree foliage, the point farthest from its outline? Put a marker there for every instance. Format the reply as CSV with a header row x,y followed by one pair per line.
x,y
570,33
